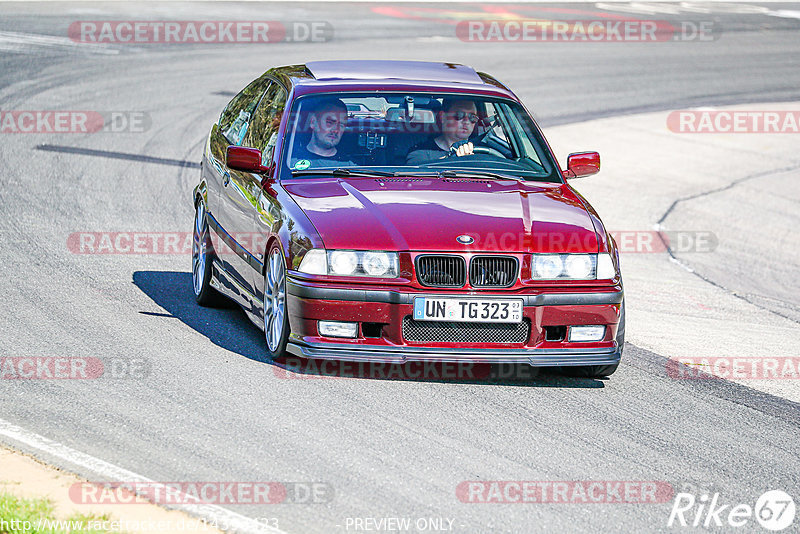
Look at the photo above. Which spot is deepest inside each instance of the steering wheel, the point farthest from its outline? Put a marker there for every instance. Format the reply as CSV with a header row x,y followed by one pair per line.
x,y
488,150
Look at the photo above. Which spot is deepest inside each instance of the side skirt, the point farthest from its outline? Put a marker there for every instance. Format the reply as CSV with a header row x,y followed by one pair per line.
x,y
225,284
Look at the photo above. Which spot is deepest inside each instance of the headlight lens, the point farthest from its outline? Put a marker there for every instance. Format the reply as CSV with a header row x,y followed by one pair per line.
x,y
376,263
547,266
351,263
578,266
314,262
573,267
605,267
343,262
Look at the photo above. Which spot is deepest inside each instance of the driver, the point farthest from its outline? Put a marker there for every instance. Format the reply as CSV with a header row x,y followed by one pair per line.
x,y
327,122
457,118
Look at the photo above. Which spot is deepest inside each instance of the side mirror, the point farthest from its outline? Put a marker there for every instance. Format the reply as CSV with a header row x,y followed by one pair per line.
x,y
580,164
245,159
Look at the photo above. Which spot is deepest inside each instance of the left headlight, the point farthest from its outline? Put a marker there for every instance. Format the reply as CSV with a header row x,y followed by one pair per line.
x,y
573,267
376,264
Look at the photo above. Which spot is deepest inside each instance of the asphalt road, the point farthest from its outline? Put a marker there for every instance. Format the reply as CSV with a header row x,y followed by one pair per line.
x,y
211,409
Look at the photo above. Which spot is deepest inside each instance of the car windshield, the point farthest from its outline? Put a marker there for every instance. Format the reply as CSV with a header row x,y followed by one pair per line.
x,y
414,133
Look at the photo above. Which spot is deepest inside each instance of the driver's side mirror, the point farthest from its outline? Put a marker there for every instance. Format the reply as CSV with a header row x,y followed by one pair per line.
x,y
245,159
580,164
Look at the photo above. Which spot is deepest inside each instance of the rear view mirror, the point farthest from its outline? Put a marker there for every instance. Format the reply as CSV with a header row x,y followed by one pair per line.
x,y
580,164
245,159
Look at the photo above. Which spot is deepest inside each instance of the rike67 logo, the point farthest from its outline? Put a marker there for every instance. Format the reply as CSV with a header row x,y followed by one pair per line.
x,y
774,510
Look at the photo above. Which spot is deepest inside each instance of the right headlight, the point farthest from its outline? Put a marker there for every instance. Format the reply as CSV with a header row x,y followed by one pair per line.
x,y
376,264
573,267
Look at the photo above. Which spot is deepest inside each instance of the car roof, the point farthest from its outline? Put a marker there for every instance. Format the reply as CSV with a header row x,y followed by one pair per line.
x,y
350,75
393,70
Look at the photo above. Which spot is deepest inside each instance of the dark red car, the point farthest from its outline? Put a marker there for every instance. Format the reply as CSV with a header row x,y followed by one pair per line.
x,y
430,222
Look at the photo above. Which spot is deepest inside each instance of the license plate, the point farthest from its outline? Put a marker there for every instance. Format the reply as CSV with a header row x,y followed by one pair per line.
x,y
468,310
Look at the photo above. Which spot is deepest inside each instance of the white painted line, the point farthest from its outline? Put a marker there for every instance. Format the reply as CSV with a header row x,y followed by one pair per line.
x,y
711,2
24,42
212,513
785,13
680,264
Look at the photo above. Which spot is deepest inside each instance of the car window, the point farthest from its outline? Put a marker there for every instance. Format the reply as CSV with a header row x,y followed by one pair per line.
x,y
399,132
266,122
493,128
235,119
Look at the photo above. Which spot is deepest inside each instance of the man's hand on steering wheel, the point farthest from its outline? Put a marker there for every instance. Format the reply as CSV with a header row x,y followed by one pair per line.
x,y
466,148
462,148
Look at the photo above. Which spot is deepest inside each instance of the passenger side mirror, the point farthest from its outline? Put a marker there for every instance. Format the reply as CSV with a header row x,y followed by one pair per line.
x,y
580,164
245,159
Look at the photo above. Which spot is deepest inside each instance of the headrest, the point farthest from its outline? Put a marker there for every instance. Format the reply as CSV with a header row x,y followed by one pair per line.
x,y
421,116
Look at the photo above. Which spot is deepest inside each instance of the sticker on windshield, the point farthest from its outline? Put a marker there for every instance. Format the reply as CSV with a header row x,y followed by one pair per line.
x,y
302,164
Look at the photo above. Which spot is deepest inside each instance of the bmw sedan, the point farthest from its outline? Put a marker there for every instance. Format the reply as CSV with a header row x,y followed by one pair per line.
x,y
403,211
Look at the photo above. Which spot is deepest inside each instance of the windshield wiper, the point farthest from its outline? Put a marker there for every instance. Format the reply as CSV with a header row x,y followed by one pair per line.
x,y
341,171
477,174
355,171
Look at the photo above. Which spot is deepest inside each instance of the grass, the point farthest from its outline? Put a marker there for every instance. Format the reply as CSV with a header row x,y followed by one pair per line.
x,y
16,514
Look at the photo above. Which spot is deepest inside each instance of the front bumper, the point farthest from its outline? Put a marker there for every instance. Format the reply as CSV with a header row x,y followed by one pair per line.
x,y
535,357
310,303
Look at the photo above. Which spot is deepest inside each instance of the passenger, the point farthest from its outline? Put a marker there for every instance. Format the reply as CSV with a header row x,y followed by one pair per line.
x,y
457,118
327,122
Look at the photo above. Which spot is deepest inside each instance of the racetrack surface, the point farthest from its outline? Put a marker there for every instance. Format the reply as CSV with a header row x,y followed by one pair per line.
x,y
212,409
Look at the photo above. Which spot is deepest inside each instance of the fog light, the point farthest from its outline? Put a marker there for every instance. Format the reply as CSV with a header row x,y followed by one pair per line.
x,y
338,329
586,333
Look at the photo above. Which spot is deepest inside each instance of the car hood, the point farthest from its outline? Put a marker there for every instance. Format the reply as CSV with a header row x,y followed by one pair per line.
x,y
423,214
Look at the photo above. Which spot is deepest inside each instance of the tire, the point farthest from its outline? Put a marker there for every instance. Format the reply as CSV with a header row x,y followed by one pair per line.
x,y
276,319
202,253
597,371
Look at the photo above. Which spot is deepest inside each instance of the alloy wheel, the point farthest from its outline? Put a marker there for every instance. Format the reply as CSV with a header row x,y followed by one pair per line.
x,y
199,249
274,300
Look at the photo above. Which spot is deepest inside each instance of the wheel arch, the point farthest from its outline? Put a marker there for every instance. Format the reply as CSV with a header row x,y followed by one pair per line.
x,y
271,241
201,193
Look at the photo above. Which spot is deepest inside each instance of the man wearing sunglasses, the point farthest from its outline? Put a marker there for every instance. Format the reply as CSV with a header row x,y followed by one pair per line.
x,y
457,120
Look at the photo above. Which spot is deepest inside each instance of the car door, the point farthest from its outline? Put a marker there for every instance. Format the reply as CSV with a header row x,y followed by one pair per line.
x,y
240,198
227,217
265,137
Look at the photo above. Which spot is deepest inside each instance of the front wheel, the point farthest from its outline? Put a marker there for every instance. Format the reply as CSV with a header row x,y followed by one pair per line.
x,y
204,294
276,320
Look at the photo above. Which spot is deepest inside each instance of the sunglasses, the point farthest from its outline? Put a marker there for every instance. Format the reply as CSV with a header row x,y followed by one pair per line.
x,y
461,115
